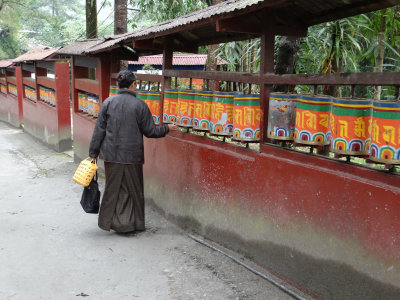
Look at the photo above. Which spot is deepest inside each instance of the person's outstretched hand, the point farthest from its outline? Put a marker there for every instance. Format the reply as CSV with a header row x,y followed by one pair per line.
x,y
172,127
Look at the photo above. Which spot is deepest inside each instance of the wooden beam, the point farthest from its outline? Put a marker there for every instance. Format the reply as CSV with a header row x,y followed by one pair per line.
x,y
368,78
234,25
237,25
151,44
351,10
149,77
215,75
188,35
266,66
168,55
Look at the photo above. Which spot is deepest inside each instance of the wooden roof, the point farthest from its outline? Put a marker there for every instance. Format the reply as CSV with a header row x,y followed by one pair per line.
x,y
235,20
177,60
36,54
6,63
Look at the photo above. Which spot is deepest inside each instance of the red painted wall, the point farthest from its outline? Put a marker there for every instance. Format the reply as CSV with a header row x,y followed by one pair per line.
x,y
9,109
10,105
290,199
83,130
51,125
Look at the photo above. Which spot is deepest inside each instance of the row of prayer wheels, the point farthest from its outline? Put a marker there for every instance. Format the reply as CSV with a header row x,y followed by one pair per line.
x,y
3,88
12,89
47,95
30,93
357,127
88,104
220,113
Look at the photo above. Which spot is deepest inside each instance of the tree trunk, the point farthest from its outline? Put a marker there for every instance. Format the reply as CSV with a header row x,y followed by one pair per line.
x,y
286,59
381,54
91,19
121,23
332,64
120,16
211,64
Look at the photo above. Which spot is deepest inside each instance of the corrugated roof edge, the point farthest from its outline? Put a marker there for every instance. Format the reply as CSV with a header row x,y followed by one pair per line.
x,y
5,63
79,46
208,12
36,54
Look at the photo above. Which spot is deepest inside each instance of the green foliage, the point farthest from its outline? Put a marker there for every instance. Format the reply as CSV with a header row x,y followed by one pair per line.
x,y
31,23
151,12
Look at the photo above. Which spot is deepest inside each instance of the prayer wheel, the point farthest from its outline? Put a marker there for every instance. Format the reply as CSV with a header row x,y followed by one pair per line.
x,y
184,117
312,120
85,103
96,106
202,110
52,96
90,109
80,101
222,113
385,132
3,88
170,106
142,95
282,116
247,115
349,124
113,90
13,89
154,103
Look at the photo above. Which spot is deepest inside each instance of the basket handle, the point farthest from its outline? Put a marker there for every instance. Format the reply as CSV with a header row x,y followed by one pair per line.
x,y
92,160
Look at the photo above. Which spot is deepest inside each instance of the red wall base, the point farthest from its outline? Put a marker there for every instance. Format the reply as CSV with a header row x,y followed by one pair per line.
x,y
9,110
41,121
329,227
83,131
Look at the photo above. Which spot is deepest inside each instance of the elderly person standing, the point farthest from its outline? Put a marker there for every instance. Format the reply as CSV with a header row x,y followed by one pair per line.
x,y
118,140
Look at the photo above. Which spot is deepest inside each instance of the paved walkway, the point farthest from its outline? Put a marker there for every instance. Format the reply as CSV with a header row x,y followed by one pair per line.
x,y
51,249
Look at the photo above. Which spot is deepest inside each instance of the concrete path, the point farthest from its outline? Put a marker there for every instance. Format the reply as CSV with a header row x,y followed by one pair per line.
x,y
51,249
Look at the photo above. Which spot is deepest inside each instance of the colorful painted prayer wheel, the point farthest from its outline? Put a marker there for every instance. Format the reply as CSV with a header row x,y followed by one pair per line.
x,y
170,106
312,120
282,116
90,110
85,102
96,106
142,95
385,132
3,88
30,93
202,110
13,89
349,124
247,115
113,90
53,97
80,101
184,116
222,113
154,103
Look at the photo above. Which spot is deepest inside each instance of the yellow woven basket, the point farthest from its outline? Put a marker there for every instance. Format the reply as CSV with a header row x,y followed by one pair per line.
x,y
85,172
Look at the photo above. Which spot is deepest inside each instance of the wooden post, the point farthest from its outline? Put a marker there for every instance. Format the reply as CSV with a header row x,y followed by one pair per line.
x,y
104,76
166,81
20,92
266,66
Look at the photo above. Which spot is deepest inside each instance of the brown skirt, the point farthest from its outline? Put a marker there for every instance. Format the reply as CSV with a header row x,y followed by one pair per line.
x,y
122,206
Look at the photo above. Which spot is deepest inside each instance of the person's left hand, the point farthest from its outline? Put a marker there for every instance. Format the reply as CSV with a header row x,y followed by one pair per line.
x,y
173,127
